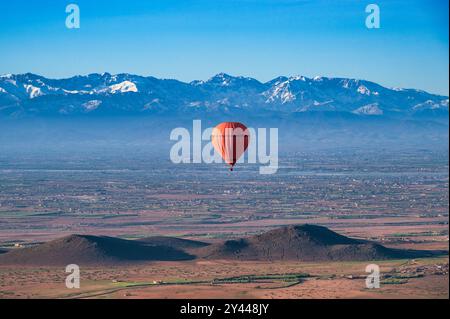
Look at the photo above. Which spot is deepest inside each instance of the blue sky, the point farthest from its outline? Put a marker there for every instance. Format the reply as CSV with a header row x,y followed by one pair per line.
x,y
195,39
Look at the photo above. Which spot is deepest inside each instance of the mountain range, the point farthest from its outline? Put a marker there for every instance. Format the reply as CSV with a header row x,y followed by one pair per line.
x,y
28,95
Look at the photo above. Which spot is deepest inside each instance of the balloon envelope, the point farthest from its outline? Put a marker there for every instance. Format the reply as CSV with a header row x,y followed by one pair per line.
x,y
230,140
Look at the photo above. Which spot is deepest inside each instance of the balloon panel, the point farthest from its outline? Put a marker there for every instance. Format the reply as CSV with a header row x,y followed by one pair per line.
x,y
230,140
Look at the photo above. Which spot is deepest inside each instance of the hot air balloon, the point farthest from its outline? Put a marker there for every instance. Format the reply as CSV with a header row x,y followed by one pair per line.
x,y
230,140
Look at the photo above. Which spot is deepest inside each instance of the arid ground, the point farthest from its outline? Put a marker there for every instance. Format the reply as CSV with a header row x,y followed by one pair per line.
x,y
426,278
397,199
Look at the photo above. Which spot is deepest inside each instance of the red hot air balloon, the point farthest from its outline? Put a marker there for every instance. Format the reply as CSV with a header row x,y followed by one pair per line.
x,y
230,139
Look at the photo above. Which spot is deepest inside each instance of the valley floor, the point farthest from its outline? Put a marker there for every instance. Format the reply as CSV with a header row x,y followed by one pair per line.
x,y
423,278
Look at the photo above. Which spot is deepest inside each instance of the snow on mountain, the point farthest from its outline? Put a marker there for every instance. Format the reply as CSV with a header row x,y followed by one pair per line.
x,y
316,103
6,76
225,101
74,91
195,104
227,81
363,90
298,78
370,109
287,90
128,93
122,87
32,90
432,105
92,105
280,92
221,79
346,83
197,82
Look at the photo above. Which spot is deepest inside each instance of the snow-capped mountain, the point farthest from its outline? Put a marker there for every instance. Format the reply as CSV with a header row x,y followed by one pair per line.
x,y
370,109
30,94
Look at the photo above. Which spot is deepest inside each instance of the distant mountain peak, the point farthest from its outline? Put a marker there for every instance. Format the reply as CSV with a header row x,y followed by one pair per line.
x,y
222,79
225,80
298,78
222,75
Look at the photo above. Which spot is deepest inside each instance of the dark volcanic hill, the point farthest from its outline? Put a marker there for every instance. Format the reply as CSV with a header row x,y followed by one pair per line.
x,y
304,243
177,243
91,250
300,242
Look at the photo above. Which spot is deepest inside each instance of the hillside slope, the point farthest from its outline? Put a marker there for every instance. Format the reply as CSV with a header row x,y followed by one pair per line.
x,y
304,243
91,250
